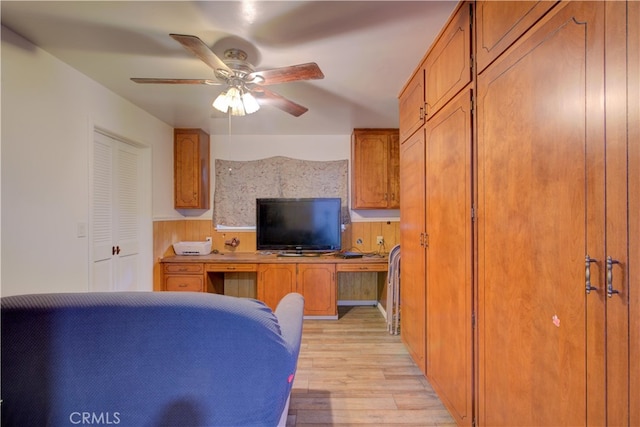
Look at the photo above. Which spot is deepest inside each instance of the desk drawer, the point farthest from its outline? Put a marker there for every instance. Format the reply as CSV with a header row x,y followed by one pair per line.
x,y
361,267
184,283
231,267
184,268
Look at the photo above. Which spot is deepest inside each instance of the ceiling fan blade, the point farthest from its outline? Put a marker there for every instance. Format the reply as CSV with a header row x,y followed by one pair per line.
x,y
178,81
196,46
309,71
268,97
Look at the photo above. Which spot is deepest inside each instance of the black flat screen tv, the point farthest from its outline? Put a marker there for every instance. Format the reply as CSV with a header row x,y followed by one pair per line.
x,y
298,225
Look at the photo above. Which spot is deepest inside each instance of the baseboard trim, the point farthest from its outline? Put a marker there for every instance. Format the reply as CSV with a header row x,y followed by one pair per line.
x,y
358,302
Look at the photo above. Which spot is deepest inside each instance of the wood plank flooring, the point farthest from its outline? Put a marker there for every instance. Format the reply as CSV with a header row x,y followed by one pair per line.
x,y
351,371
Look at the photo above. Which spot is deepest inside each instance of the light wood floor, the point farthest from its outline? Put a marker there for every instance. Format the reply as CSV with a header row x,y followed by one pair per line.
x,y
351,371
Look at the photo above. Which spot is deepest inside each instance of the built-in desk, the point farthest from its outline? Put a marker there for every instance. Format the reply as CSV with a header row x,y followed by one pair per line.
x,y
315,277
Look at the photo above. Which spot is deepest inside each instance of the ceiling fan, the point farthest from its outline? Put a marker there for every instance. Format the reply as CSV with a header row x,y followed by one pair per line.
x,y
244,84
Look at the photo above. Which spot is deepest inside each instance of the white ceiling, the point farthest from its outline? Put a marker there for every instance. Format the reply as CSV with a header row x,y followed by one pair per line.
x,y
366,50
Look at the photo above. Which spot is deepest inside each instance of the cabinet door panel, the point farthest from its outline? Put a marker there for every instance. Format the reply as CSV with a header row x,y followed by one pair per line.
x,y
617,226
500,24
412,223
633,75
449,252
191,169
274,282
411,105
317,283
370,181
538,142
448,64
394,171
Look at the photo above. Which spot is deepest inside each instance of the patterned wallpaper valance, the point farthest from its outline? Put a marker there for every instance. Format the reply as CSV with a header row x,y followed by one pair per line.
x,y
239,183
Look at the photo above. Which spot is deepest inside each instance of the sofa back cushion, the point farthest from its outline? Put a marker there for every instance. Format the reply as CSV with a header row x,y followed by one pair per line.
x,y
142,359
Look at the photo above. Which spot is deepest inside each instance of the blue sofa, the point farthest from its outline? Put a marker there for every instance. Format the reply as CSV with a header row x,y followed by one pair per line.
x,y
147,359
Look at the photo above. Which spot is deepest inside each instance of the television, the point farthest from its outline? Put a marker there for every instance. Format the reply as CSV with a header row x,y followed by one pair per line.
x,y
298,225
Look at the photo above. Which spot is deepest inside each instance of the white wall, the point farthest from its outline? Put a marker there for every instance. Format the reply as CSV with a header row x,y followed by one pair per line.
x,y
48,111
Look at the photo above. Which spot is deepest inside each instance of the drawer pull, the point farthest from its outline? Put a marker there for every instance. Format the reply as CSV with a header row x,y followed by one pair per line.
x,y
182,285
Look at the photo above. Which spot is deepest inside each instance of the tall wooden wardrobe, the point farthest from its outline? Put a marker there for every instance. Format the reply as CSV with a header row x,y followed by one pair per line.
x,y
520,175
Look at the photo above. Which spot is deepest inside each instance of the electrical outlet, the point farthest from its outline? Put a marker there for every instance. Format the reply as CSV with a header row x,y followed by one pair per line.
x,y
379,240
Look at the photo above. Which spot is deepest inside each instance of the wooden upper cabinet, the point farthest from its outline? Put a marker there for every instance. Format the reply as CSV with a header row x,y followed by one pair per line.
x,y
500,24
411,105
375,163
191,169
448,66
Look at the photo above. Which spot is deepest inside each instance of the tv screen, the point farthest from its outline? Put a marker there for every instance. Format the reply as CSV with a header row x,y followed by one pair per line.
x,y
298,225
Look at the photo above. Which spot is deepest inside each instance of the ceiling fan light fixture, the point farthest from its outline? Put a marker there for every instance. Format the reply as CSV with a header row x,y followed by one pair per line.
x,y
239,101
250,103
221,103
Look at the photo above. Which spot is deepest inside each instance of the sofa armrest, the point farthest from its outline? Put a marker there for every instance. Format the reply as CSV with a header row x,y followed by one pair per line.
x,y
290,313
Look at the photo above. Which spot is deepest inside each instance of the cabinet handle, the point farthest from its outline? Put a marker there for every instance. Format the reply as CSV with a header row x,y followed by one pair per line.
x,y
118,250
610,290
182,285
421,113
587,274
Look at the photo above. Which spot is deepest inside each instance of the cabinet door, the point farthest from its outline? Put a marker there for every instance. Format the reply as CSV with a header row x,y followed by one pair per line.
x,y
411,105
369,186
393,201
620,289
317,283
448,64
539,129
412,223
274,282
500,24
449,257
633,86
191,169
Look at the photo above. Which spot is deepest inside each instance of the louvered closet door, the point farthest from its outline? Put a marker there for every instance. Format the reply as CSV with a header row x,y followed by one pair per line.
x,y
115,215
